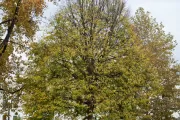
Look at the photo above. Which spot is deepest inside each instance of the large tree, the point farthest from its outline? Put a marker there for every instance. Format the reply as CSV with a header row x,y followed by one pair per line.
x,y
91,65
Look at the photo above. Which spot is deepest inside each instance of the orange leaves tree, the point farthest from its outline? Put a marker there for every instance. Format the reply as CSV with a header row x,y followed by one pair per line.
x,y
18,25
19,18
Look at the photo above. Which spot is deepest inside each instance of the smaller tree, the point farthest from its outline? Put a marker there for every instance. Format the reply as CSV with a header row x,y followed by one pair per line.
x,y
159,47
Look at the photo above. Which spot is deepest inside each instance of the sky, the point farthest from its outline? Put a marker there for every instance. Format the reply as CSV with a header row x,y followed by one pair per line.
x,y
165,11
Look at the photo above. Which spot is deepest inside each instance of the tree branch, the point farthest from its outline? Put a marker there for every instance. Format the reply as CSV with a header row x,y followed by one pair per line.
x,y
3,45
12,92
17,44
5,21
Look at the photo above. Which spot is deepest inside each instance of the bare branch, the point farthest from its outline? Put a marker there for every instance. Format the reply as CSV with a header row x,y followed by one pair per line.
x,y
3,22
12,92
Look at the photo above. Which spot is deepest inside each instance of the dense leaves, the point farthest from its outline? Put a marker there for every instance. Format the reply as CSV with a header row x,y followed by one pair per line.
x,y
96,63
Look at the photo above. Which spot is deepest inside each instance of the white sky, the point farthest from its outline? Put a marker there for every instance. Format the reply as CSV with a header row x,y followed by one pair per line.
x,y
165,11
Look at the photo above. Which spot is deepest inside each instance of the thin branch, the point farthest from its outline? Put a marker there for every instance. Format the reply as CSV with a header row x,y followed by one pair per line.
x,y
3,22
18,44
12,92
18,90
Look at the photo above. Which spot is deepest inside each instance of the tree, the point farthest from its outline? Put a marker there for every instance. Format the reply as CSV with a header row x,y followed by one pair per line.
x,y
159,46
19,23
20,18
91,65
19,15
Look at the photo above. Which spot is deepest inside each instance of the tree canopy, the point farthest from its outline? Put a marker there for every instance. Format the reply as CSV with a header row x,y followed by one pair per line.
x,y
94,62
